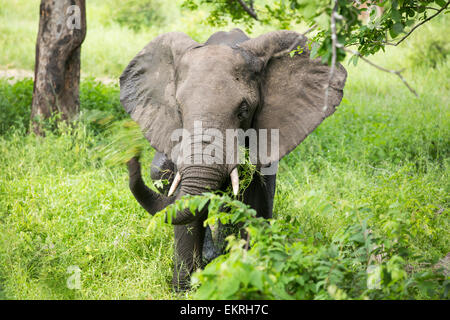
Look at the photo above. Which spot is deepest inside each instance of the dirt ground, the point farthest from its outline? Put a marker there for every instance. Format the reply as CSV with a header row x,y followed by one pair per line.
x,y
14,75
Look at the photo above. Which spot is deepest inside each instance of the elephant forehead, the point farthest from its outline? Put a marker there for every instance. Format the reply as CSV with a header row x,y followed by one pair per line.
x,y
212,60
215,77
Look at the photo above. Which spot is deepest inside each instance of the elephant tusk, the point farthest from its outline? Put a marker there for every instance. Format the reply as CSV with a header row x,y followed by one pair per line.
x,y
175,184
235,181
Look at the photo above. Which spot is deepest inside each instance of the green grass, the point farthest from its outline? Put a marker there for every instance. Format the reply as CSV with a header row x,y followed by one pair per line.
x,y
61,206
384,152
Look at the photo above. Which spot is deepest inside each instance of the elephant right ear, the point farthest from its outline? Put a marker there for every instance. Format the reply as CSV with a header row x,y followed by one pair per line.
x,y
147,88
293,89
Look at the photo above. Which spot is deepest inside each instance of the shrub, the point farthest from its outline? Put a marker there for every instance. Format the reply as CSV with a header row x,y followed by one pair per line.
x,y
429,47
97,100
279,261
138,14
15,104
95,95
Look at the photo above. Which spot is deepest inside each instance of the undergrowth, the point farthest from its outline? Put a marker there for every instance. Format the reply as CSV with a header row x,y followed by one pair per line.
x,y
278,260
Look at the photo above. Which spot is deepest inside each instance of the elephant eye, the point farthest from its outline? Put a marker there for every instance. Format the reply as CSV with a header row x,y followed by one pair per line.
x,y
243,111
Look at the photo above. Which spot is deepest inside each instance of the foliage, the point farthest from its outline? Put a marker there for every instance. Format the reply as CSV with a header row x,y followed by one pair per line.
x,y
96,99
220,11
108,46
15,104
97,96
430,48
123,141
383,156
137,14
280,261
368,36
62,205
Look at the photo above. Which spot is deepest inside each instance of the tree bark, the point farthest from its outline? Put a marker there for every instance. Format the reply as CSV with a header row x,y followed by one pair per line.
x,y
62,30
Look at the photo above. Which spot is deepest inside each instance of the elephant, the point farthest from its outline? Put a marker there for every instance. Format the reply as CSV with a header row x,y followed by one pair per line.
x,y
229,82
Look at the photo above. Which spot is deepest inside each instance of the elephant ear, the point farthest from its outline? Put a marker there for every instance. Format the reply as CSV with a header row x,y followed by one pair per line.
x,y
293,89
147,88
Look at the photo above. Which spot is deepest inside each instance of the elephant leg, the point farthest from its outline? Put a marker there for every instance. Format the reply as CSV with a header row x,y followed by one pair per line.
x,y
188,252
162,169
260,194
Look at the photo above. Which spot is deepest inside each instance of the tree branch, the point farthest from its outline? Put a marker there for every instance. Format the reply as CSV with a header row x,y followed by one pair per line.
x,y
431,8
396,72
335,44
296,42
249,9
310,30
419,24
334,53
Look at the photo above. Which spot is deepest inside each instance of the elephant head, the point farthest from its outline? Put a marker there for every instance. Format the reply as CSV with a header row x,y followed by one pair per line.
x,y
229,82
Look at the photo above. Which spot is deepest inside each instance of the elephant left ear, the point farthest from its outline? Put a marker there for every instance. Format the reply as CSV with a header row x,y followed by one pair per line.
x,y
293,89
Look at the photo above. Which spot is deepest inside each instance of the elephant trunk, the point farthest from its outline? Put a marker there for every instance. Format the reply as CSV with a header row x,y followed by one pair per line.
x,y
150,200
195,180
197,175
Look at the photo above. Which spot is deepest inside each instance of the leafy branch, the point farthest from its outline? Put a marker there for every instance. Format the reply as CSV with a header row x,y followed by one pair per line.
x,y
421,23
396,72
338,23
336,44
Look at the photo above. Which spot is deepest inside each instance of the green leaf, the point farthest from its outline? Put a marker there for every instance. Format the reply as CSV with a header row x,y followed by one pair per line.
x,y
441,3
314,49
205,292
396,15
310,10
398,27
392,33
229,287
323,21
256,279
202,204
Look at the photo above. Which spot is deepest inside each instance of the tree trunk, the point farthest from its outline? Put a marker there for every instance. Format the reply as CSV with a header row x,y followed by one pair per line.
x,y
62,29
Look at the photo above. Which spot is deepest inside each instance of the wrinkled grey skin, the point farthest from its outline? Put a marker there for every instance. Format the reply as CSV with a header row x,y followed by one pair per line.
x,y
229,82
259,195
